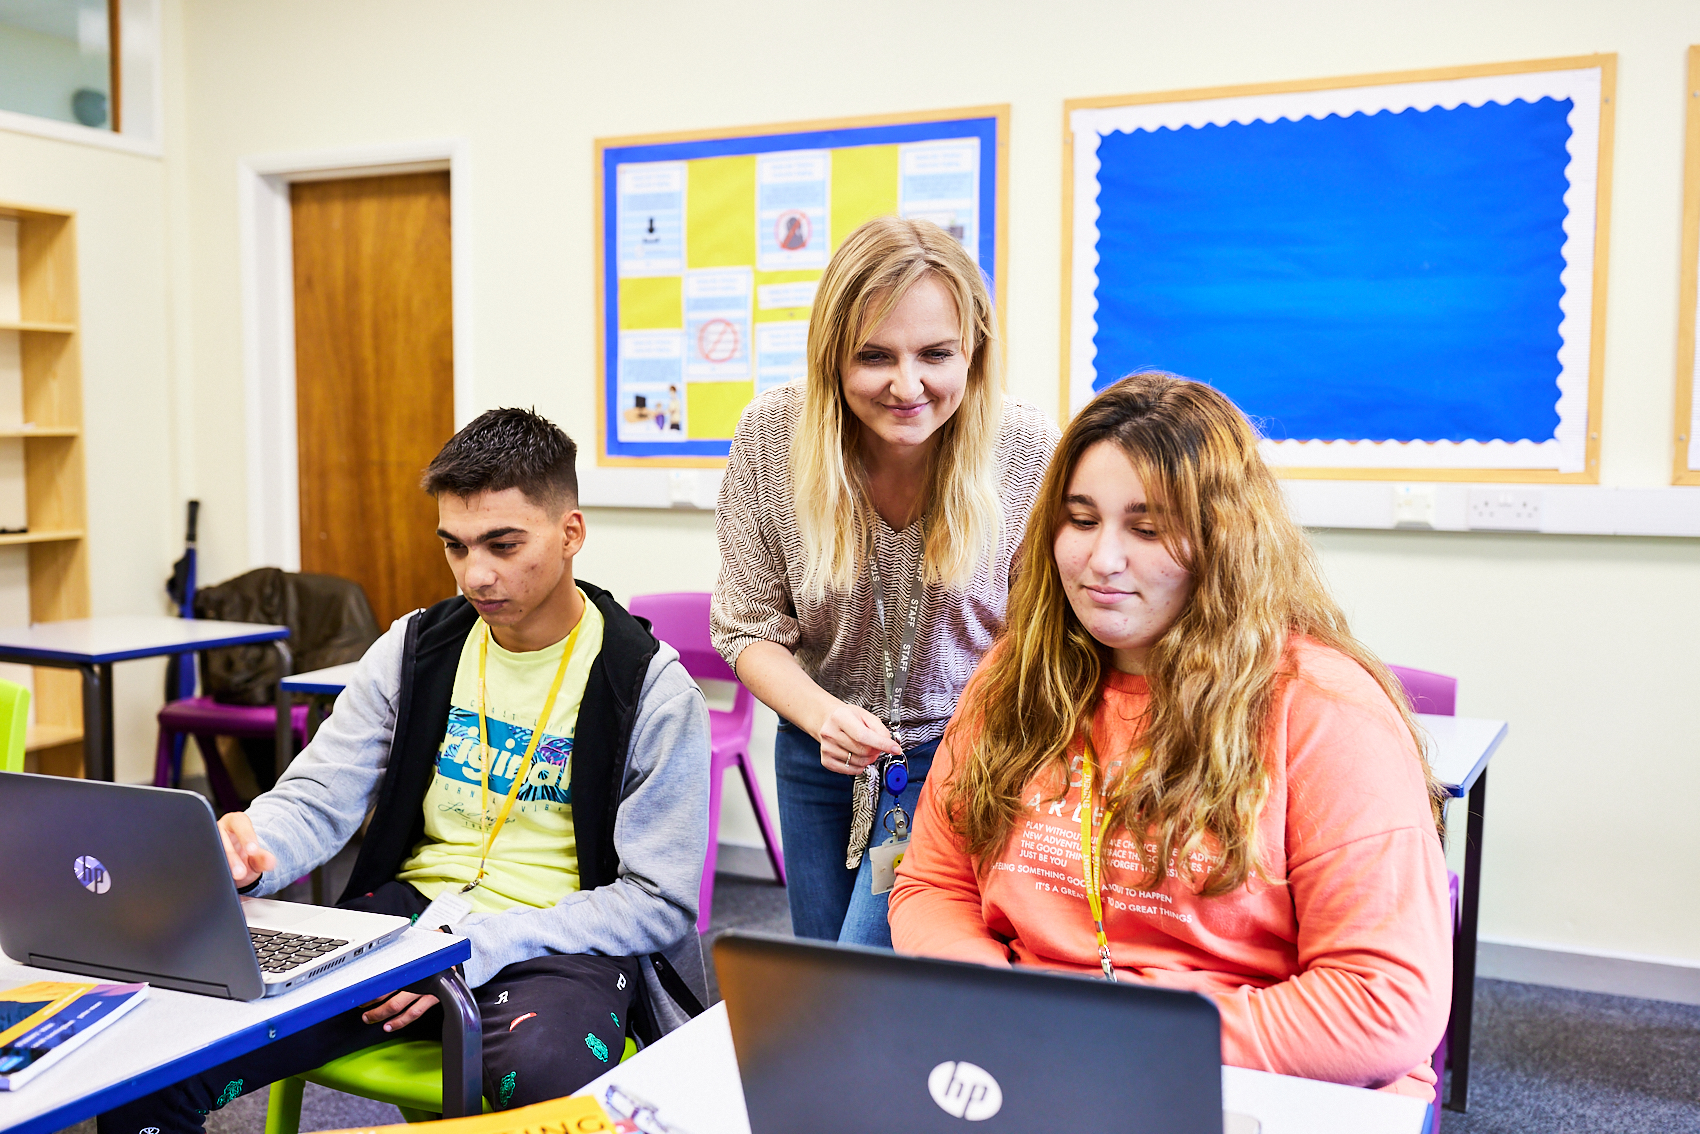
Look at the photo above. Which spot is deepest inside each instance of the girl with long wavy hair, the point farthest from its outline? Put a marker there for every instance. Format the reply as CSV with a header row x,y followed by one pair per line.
x,y
868,522
1178,766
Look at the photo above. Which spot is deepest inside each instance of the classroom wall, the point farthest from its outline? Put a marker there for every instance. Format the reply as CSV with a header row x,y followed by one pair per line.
x,y
132,430
1586,645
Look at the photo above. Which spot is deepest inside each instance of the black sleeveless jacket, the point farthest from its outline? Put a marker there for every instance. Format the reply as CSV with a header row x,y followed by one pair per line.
x,y
430,656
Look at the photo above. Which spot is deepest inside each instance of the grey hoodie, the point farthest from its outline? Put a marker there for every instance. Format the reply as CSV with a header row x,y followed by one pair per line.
x,y
660,831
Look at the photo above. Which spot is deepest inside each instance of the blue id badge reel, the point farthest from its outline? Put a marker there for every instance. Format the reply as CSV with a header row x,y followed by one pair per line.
x,y
885,857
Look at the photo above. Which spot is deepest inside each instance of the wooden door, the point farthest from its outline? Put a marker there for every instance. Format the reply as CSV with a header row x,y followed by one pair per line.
x,y
374,381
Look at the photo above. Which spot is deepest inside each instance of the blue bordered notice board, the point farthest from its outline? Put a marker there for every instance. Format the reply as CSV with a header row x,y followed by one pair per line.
x,y
1397,276
712,245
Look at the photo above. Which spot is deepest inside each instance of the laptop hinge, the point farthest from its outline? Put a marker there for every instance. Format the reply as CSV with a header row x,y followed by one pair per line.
x,y
181,984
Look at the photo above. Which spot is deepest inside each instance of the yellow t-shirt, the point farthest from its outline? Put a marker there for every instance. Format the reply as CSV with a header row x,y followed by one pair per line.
x,y
534,861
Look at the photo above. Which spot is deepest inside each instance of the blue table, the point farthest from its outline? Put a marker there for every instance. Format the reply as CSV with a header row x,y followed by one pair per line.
x,y
91,645
1459,754
318,686
172,1035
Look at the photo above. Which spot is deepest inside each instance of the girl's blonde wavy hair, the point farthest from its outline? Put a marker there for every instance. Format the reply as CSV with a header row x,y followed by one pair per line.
x,y
869,274
1213,676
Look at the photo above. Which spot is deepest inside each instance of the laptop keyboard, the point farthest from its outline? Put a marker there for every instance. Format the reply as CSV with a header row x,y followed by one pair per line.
x,y
280,952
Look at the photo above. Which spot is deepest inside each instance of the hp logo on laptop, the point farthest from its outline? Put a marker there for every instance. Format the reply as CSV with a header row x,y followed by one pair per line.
x,y
964,1090
91,872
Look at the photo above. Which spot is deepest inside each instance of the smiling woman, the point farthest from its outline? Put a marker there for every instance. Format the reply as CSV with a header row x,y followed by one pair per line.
x,y
868,522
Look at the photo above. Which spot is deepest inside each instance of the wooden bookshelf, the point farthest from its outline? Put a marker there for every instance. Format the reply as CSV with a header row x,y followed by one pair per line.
x,y
55,479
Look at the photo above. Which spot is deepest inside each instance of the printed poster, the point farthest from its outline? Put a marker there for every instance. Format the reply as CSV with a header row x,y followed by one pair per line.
x,y
792,191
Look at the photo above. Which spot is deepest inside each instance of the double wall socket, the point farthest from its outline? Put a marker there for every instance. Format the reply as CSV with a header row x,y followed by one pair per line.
x,y
1505,509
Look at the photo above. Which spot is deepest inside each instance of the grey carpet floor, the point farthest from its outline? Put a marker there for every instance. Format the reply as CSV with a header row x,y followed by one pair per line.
x,y
1547,1060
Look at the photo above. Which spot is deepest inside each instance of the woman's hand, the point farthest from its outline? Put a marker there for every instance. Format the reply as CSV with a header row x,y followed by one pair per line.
x,y
851,739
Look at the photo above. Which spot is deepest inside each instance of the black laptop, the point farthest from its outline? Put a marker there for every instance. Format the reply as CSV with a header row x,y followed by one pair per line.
x,y
835,1038
130,883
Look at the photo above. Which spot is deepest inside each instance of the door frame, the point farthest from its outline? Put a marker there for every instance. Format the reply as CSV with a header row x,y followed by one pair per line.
x,y
268,317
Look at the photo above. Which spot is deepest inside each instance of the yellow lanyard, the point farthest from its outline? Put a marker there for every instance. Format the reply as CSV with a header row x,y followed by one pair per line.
x,y
1091,836
530,747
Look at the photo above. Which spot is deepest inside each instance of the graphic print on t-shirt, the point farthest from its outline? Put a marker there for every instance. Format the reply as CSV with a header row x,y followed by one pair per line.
x,y
459,759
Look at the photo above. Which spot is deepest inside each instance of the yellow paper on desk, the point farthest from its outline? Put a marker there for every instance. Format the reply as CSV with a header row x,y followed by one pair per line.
x,y
579,1114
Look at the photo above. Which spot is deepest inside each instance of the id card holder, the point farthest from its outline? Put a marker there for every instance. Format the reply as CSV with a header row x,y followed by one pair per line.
x,y
884,859
446,911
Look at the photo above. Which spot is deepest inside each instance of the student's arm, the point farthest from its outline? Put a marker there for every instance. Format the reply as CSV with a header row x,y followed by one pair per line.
x,y
1368,885
323,798
936,909
660,834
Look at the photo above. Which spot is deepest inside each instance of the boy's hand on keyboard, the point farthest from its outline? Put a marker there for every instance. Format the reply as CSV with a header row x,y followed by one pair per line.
x,y
248,859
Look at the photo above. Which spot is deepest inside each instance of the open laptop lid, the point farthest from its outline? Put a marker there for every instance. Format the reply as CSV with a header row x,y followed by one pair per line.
x,y
836,1038
120,882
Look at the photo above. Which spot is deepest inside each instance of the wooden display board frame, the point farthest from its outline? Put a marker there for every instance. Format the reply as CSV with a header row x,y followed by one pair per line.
x,y
999,226
1607,63
1683,469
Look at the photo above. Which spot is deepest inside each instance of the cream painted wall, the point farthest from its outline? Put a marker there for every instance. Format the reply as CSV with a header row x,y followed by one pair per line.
x,y
1583,644
134,530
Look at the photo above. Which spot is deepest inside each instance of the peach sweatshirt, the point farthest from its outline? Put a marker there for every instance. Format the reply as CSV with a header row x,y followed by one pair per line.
x,y
1338,968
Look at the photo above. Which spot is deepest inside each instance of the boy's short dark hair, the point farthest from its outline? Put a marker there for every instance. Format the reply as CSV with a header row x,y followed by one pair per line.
x,y
507,448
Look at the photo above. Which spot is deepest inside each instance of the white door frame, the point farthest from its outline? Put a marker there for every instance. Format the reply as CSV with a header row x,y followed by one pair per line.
x,y
268,318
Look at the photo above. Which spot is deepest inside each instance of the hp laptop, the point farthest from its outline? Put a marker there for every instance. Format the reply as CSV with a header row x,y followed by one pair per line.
x,y
130,883
834,1038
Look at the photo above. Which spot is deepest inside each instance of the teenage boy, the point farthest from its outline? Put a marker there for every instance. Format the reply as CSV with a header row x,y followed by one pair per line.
x,y
581,838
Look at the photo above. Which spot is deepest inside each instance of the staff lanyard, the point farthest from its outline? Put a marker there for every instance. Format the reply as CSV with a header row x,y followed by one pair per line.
x,y
490,832
1091,839
896,664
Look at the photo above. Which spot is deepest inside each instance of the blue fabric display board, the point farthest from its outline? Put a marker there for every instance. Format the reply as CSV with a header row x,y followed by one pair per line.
x,y
1390,276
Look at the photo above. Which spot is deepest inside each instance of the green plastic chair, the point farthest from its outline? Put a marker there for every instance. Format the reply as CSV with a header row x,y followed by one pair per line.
x,y
14,719
408,1074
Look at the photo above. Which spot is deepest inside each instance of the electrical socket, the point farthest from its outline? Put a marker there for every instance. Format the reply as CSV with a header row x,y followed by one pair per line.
x,y
1505,509
1413,506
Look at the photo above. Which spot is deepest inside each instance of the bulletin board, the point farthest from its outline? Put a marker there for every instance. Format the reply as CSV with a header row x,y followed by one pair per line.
x,y
712,245
1396,276
1687,470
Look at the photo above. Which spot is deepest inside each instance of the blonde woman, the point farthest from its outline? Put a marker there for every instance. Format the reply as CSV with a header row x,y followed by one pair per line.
x,y
868,521
1179,767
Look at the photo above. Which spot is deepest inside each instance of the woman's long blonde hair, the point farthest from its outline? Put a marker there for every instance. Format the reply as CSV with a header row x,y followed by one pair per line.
x,y
869,274
1213,676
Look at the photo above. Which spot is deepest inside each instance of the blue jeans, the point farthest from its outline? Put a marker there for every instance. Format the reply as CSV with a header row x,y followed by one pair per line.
x,y
828,902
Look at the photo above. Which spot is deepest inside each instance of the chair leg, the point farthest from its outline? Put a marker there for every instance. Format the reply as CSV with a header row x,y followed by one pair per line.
x,y
774,856
218,778
283,1108
164,774
705,893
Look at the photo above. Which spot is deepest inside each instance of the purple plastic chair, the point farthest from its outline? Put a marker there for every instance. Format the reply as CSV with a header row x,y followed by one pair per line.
x,y
1438,694
207,720
681,620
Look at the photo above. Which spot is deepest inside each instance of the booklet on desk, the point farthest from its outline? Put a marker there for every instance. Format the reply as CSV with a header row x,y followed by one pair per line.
x,y
576,1114
43,1020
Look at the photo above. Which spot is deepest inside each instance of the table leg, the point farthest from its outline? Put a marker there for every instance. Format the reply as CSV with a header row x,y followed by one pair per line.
x,y
1464,951
463,1044
284,744
315,714
97,721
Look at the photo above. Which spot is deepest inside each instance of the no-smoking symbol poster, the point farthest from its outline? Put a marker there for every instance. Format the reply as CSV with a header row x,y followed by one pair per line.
x,y
713,248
